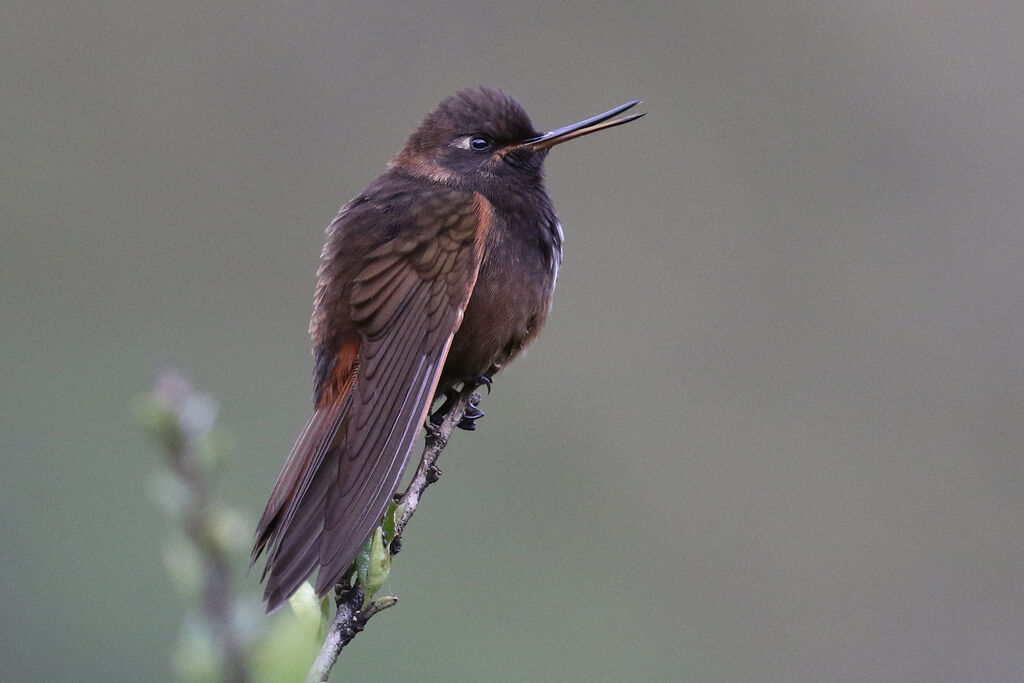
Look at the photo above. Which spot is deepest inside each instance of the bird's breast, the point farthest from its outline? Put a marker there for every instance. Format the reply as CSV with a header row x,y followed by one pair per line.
x,y
512,295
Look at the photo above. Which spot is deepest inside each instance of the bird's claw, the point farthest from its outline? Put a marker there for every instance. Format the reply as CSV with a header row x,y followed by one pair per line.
x,y
483,381
472,414
469,418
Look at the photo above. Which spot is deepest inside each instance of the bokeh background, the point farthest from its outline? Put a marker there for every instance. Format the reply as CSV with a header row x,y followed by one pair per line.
x,y
773,429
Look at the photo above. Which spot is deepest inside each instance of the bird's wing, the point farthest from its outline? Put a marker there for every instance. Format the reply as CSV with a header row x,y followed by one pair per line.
x,y
403,306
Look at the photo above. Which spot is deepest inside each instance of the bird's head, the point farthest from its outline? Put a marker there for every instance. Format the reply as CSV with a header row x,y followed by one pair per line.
x,y
482,137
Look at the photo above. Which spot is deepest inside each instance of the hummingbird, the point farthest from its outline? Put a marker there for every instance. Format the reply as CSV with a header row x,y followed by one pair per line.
x,y
433,278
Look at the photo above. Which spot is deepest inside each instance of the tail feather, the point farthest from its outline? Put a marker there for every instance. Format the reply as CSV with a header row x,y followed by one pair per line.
x,y
297,553
292,523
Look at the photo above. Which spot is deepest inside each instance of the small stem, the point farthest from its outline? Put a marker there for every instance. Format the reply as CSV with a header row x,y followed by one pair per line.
x,y
426,472
344,628
350,619
174,392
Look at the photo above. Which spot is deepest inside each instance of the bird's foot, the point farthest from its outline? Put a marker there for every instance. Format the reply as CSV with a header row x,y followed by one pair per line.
x,y
451,396
482,381
438,416
473,412
469,418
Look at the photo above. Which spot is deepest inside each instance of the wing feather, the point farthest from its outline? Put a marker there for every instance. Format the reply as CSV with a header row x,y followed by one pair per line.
x,y
404,301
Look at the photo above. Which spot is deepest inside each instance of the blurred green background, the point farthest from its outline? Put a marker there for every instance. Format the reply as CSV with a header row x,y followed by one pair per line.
x,y
772,431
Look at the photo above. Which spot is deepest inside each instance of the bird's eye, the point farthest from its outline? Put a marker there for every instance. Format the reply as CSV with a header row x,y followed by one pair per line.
x,y
478,143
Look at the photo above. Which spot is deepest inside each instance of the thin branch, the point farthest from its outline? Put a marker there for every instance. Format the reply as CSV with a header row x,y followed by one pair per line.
x,y
183,417
351,617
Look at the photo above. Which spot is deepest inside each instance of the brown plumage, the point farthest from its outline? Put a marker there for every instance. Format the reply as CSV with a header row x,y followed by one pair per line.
x,y
437,275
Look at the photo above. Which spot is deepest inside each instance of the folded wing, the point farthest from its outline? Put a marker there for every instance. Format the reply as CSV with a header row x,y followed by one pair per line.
x,y
398,313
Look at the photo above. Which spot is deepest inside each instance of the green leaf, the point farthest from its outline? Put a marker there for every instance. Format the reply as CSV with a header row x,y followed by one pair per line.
x,y
307,609
214,448
379,566
286,651
325,619
160,420
184,565
387,602
362,561
169,493
195,657
391,519
228,529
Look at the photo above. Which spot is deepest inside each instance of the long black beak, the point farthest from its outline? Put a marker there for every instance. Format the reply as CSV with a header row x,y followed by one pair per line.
x,y
591,125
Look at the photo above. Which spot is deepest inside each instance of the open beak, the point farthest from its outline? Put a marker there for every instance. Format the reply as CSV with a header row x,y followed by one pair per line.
x,y
591,125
